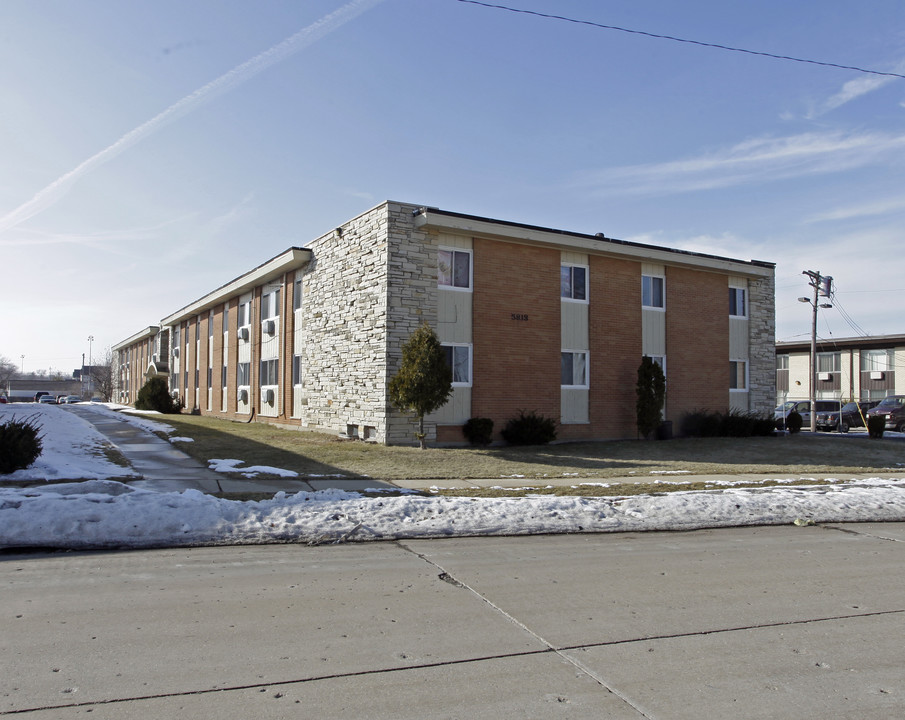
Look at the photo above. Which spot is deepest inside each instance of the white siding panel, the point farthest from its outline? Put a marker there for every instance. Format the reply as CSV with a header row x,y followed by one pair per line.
x,y
456,410
574,406
653,332
574,326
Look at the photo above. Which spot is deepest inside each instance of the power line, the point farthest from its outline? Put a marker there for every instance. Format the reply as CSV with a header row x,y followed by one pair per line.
x,y
657,36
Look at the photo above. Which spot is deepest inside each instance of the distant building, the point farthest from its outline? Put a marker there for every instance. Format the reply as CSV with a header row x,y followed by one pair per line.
x,y
531,318
855,368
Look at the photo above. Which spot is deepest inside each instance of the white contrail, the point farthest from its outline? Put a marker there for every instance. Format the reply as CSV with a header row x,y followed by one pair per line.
x,y
239,74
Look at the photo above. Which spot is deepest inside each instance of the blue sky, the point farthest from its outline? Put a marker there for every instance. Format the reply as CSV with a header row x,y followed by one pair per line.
x,y
152,151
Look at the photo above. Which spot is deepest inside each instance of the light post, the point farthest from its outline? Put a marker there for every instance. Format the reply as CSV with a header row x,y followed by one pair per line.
x,y
820,284
90,340
23,363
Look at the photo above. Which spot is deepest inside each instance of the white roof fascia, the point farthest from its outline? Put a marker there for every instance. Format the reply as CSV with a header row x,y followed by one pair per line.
x,y
292,259
595,245
148,332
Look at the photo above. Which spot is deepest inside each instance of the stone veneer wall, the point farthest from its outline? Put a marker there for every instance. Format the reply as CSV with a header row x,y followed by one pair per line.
x,y
762,344
413,296
344,311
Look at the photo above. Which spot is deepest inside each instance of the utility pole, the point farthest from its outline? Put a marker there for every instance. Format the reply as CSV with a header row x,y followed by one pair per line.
x,y
823,285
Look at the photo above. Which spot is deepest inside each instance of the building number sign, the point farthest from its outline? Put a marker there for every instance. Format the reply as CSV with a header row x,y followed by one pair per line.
x,y
523,317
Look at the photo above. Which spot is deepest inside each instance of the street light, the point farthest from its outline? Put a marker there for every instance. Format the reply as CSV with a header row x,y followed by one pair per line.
x,y
815,304
90,340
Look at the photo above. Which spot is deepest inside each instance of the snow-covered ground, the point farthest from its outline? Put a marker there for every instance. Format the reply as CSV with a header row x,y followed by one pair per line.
x,y
103,513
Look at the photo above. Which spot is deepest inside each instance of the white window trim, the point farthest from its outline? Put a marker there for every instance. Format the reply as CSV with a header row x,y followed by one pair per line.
x,y
454,288
744,389
744,313
655,308
587,283
587,370
470,361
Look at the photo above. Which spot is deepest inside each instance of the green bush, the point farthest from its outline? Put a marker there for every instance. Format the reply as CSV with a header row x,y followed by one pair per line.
x,y
794,422
478,431
701,423
876,424
529,429
20,445
155,395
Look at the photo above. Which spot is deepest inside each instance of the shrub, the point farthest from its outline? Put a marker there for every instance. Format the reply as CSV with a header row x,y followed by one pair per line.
x,y
155,395
529,429
20,445
794,422
734,423
478,431
876,424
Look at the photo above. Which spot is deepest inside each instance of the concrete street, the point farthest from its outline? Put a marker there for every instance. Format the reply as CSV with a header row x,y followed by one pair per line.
x,y
774,622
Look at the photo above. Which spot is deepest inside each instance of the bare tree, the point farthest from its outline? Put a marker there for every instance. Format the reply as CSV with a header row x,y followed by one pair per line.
x,y
101,373
8,371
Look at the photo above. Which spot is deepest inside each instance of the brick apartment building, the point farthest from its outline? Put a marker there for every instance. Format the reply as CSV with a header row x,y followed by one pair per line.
x,y
531,318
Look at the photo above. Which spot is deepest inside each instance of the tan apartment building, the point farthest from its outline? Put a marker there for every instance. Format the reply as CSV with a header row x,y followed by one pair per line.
x,y
846,369
531,318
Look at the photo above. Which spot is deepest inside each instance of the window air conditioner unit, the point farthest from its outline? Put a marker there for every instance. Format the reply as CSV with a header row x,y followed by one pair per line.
x,y
876,375
269,396
824,376
175,394
243,333
243,396
270,327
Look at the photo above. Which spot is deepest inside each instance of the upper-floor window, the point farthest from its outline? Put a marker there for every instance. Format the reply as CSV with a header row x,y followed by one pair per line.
x,y
244,313
454,269
270,305
573,282
737,306
653,294
297,293
574,369
458,357
829,362
873,360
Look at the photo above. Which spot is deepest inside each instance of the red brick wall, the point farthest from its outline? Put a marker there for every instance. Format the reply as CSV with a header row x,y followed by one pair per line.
x,y
697,342
615,333
516,363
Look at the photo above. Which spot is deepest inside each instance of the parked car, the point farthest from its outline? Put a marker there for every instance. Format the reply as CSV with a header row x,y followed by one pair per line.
x,y
851,415
72,399
61,399
893,409
3,400
40,394
47,399
803,408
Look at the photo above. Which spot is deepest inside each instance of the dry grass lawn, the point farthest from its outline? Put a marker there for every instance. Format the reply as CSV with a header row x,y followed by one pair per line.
x,y
314,454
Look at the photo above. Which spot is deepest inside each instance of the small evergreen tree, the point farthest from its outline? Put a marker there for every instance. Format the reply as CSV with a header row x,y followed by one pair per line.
x,y
424,381
651,392
20,444
155,395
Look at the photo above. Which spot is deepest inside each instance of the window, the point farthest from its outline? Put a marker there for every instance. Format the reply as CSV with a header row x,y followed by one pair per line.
x,y
573,282
738,375
877,360
296,369
297,293
737,306
270,372
244,313
223,377
454,269
243,374
458,357
829,362
270,305
652,294
210,377
210,324
782,362
574,369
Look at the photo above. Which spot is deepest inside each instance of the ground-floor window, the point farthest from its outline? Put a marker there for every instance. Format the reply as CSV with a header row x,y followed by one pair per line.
x,y
270,370
738,375
574,368
458,357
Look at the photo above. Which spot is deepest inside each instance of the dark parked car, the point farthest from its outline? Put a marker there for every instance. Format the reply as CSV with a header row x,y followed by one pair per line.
x,y
40,394
893,409
851,415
